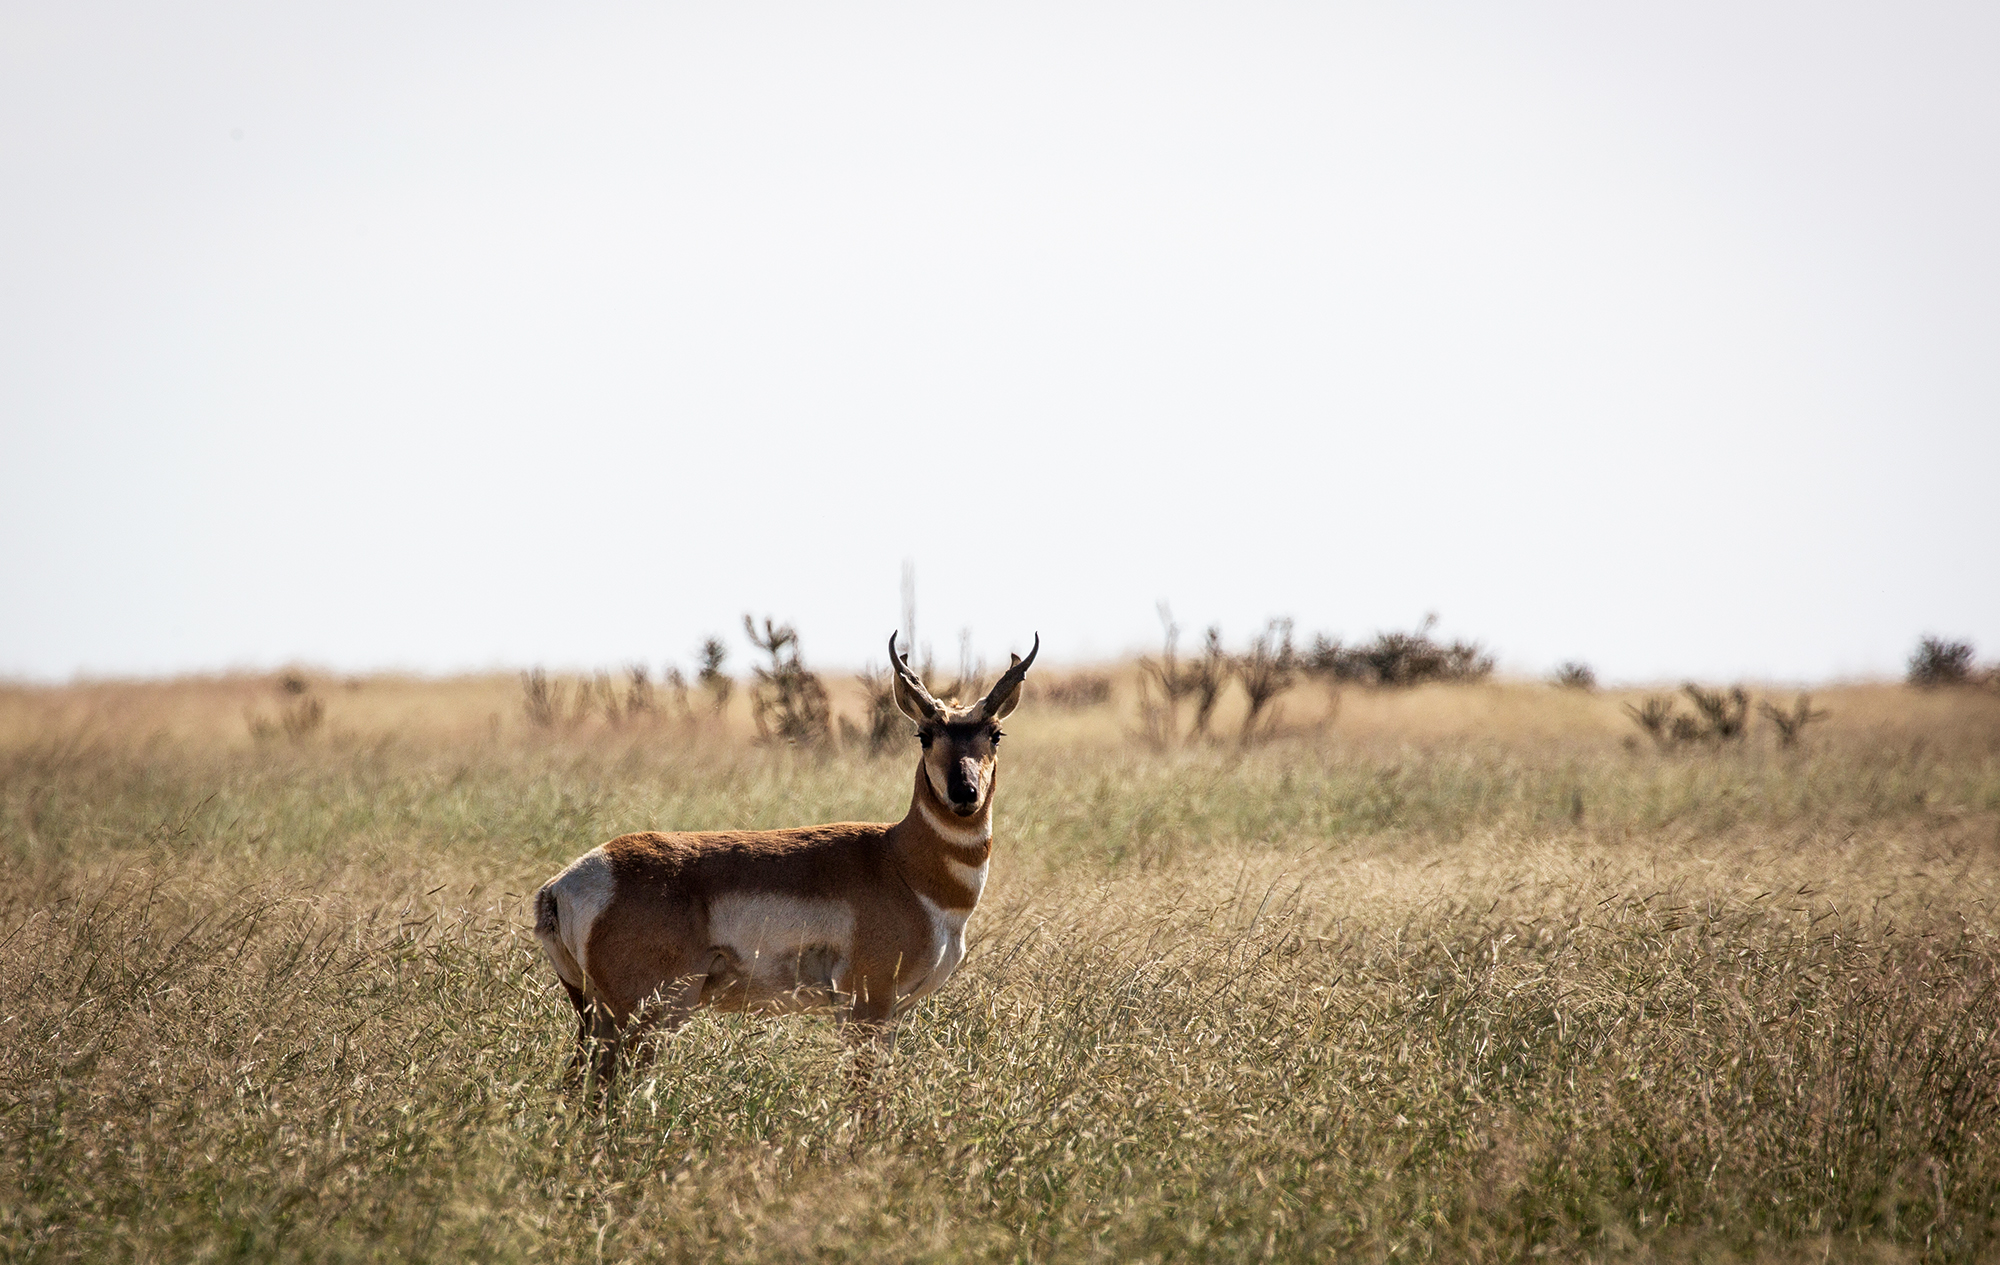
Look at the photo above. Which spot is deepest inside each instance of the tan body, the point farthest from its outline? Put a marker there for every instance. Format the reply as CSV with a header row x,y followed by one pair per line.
x,y
860,919
865,918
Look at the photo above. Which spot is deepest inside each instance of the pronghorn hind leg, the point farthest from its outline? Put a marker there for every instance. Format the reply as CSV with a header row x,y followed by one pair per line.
x,y
609,1035
600,1055
579,1059
662,1016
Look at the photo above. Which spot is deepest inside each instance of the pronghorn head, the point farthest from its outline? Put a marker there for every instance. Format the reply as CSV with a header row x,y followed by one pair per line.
x,y
961,744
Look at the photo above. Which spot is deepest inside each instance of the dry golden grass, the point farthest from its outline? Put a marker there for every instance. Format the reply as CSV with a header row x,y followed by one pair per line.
x,y
1455,973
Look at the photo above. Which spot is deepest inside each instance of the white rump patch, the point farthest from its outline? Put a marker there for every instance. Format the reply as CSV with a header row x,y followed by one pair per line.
x,y
770,932
582,891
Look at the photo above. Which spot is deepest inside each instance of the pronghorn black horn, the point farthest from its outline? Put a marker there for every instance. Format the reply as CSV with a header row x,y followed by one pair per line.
x,y
1009,681
911,681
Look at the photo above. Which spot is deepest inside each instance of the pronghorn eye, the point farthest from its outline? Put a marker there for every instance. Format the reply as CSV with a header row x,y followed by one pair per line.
x,y
997,736
924,736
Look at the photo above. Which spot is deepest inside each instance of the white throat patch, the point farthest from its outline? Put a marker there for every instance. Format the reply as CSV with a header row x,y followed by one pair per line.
x,y
955,831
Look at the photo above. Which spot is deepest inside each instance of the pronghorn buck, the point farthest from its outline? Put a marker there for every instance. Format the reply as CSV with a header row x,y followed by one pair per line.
x,y
857,918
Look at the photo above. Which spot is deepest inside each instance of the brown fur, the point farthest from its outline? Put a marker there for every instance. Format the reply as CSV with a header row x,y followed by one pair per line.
x,y
653,953
657,929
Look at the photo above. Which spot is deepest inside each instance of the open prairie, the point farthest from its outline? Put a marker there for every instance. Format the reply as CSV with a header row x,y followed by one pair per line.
x,y
1461,972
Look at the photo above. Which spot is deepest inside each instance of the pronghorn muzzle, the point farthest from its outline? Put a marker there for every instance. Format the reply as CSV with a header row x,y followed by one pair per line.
x,y
962,786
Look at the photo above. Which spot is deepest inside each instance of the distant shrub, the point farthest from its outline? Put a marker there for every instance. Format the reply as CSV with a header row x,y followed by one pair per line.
x,y
1791,724
1398,659
677,690
1163,683
1724,716
596,693
1936,662
1719,717
885,722
297,720
545,702
1267,670
1654,716
302,717
789,702
553,703
1575,675
710,676
1209,675
640,701
635,701
1076,692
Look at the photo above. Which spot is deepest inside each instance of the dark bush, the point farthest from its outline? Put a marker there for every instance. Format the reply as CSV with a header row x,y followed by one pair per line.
x,y
1719,717
1211,673
1266,671
1654,716
640,702
1791,725
1171,680
885,721
1575,675
788,703
1398,659
545,702
1936,661
1723,716
710,676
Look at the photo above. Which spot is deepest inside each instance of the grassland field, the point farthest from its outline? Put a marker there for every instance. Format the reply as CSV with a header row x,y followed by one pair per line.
x,y
1463,973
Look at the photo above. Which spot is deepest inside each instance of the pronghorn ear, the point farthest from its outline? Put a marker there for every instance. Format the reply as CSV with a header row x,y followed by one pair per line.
x,y
1000,709
908,703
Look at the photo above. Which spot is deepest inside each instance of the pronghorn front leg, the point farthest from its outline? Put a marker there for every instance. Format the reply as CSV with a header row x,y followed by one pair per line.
x,y
870,1029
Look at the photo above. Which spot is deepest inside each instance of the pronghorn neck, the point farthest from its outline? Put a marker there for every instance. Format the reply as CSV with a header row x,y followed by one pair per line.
x,y
943,856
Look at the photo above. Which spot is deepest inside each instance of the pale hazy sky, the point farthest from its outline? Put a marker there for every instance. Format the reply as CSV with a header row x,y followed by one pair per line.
x,y
443,336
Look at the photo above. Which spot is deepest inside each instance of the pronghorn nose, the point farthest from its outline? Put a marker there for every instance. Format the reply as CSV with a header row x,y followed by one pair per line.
x,y
963,783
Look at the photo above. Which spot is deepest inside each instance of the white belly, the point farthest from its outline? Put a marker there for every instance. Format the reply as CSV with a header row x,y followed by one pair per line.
x,y
781,943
